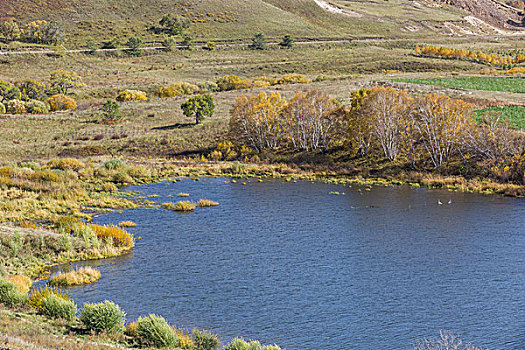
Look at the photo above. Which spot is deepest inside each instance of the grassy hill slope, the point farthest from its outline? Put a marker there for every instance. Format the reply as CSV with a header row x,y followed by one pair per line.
x,y
233,19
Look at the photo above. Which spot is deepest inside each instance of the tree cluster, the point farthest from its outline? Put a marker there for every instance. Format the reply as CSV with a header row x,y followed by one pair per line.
x,y
310,121
428,130
40,32
478,56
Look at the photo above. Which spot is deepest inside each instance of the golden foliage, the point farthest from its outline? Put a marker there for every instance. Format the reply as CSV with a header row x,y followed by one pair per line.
x,y
65,164
204,203
38,295
185,206
119,236
177,89
132,95
22,283
61,102
478,56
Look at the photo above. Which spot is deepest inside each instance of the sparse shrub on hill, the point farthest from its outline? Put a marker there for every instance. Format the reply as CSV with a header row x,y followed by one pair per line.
x,y
106,316
16,107
2,108
42,32
36,107
293,78
56,307
132,95
61,102
210,46
155,331
178,89
233,82
169,43
10,30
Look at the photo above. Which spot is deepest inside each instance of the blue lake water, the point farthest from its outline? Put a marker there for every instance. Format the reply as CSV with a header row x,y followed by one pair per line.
x,y
291,264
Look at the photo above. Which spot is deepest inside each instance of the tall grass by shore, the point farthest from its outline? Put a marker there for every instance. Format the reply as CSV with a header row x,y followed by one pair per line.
x,y
84,275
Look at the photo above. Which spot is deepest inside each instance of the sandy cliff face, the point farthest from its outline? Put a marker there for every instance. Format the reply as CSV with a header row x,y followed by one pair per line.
x,y
492,12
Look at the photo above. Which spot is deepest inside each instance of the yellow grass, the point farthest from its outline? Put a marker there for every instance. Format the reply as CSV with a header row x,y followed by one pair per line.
x,y
127,224
185,206
22,283
84,275
182,194
120,237
204,203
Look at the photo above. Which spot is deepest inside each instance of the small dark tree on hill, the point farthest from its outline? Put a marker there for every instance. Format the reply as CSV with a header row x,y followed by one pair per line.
x,y
199,107
287,42
187,43
259,42
135,46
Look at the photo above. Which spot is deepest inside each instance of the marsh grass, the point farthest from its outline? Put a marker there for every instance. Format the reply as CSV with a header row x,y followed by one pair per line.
x,y
183,194
84,275
185,206
205,203
127,224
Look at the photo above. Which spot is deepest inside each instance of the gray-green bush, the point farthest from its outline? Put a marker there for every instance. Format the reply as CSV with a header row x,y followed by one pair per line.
x,y
56,307
106,316
155,331
9,294
205,340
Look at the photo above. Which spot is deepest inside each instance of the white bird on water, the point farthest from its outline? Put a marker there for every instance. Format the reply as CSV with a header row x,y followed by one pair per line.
x,y
439,202
449,201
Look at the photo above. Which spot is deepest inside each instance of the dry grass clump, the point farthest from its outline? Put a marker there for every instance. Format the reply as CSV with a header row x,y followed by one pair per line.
x,y
127,223
119,236
168,206
84,275
22,283
182,194
65,164
205,203
185,206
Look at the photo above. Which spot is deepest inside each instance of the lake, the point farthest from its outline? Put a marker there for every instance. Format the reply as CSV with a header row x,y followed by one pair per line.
x,y
289,263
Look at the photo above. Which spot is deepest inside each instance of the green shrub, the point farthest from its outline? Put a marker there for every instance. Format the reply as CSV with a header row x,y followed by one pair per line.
x,y
16,107
241,344
56,307
36,107
114,164
106,316
178,89
9,92
10,295
205,340
2,108
287,42
155,331
111,111
259,42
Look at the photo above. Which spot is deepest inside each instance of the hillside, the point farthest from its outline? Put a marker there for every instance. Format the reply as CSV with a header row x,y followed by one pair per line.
x,y
233,19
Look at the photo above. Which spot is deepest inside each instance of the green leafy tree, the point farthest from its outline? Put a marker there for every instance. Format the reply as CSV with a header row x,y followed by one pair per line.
x,y
62,81
135,46
199,107
259,42
174,24
288,42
